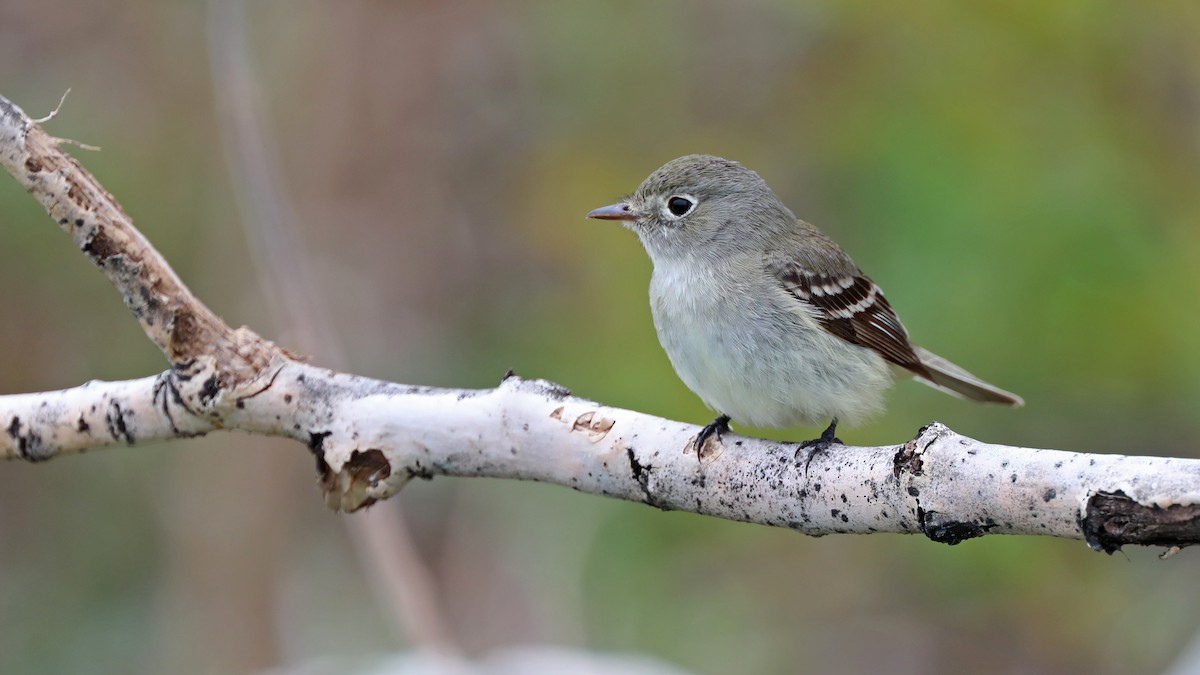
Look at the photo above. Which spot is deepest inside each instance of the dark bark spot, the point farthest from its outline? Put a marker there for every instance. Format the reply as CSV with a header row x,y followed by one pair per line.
x,y
116,423
209,390
422,472
150,302
14,432
185,333
641,475
100,247
325,477
1113,519
368,466
906,460
316,442
78,194
948,531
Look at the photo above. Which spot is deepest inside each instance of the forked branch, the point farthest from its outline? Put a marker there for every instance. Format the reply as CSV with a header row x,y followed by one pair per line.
x,y
371,437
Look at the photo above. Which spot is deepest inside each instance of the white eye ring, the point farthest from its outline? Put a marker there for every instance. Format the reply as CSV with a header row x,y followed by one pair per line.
x,y
685,202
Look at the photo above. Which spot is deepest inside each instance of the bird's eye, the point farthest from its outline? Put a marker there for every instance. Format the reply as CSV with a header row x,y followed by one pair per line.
x,y
680,206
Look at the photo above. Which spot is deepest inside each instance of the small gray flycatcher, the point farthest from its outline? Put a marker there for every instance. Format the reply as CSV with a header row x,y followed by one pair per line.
x,y
764,316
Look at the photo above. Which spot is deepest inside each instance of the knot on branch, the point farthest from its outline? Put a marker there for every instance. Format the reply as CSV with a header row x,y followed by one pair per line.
x,y
216,384
908,458
361,481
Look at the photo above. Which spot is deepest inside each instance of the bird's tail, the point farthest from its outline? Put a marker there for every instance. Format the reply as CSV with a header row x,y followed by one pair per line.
x,y
947,377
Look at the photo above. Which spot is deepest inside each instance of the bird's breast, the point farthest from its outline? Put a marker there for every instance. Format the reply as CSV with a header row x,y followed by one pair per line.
x,y
750,351
710,322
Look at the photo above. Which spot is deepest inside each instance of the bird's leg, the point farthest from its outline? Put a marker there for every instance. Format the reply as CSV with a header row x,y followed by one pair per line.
x,y
819,445
716,427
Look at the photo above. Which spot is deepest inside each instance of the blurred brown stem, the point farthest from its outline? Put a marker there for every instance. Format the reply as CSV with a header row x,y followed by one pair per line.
x,y
381,538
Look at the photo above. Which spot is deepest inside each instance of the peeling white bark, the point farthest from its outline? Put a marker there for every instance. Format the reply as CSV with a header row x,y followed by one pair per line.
x,y
372,437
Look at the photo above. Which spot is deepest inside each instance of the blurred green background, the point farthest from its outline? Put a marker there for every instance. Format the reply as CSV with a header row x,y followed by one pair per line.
x,y
1021,178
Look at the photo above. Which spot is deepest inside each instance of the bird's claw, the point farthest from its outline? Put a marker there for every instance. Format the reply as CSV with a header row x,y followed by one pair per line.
x,y
714,428
819,445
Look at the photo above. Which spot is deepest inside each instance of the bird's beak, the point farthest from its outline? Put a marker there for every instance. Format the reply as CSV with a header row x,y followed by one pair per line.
x,y
613,212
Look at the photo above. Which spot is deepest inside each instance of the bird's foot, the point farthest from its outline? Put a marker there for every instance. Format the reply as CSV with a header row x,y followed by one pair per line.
x,y
819,445
715,428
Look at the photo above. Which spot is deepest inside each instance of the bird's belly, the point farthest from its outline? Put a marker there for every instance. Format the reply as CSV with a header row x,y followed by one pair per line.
x,y
764,366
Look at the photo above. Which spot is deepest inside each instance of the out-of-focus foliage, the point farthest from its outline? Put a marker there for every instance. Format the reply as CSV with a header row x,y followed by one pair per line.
x,y
1021,178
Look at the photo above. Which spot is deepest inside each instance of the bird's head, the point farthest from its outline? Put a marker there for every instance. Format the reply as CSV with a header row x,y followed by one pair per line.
x,y
700,205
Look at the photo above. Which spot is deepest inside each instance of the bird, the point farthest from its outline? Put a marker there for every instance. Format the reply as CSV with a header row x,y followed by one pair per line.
x,y
765,317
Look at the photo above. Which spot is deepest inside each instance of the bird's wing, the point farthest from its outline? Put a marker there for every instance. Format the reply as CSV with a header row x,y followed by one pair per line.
x,y
848,304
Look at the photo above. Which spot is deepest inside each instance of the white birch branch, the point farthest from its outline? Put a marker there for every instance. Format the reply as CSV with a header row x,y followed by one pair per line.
x,y
371,437
96,414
